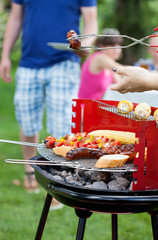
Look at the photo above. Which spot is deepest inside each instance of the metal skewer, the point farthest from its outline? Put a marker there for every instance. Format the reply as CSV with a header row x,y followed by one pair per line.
x,y
32,162
135,41
78,166
20,143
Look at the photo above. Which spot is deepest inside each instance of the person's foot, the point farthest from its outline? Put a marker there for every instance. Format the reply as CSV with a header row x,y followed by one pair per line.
x,y
30,183
55,205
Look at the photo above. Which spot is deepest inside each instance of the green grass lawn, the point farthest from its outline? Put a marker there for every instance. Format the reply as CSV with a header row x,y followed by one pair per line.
x,y
20,211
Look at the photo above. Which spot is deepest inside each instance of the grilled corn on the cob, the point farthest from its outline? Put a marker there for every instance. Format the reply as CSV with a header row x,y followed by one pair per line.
x,y
123,137
156,114
143,109
125,105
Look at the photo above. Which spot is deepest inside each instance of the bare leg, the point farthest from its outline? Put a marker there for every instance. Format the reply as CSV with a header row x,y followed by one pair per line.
x,y
29,152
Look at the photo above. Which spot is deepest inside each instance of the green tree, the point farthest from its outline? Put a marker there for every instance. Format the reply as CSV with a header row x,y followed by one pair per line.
x,y
136,18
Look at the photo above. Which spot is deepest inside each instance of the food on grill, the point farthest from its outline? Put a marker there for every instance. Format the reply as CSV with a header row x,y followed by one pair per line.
x,y
123,137
145,155
84,152
70,34
143,109
84,145
75,43
110,161
124,149
156,114
125,105
62,150
49,142
81,153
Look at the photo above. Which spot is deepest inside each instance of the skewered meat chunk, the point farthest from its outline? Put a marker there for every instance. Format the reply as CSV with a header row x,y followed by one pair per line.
x,y
75,43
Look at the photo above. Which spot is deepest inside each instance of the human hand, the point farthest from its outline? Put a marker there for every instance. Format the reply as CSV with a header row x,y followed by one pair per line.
x,y
134,79
5,67
84,53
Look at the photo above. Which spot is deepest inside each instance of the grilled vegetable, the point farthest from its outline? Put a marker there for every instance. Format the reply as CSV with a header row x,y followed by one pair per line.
x,y
121,136
125,105
143,109
156,114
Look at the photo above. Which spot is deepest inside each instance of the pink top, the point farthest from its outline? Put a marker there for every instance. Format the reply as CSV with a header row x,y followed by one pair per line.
x,y
93,86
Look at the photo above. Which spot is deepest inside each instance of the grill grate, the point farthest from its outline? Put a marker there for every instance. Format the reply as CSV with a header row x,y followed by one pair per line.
x,y
121,112
84,164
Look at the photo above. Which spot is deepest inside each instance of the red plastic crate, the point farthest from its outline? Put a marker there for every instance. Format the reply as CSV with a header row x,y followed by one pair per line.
x,y
87,116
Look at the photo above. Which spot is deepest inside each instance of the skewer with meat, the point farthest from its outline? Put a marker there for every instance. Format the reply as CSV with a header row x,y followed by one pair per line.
x,y
75,43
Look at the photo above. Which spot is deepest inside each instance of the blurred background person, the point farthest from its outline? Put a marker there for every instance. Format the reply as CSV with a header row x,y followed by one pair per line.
x,y
150,63
96,73
45,76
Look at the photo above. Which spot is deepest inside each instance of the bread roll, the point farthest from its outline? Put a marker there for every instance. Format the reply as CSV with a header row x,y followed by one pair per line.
x,y
110,161
62,150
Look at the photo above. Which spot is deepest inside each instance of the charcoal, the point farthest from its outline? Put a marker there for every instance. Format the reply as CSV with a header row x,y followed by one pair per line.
x,y
100,185
81,173
58,178
88,183
64,174
82,180
128,176
77,183
69,173
63,168
90,186
49,175
69,178
73,182
91,179
93,175
113,185
54,171
116,175
100,176
86,175
76,177
122,181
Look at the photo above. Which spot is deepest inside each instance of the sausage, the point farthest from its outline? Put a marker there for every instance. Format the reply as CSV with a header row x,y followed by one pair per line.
x,y
125,149
75,43
83,152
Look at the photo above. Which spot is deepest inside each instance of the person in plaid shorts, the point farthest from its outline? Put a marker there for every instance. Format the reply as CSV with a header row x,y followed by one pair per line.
x,y
46,77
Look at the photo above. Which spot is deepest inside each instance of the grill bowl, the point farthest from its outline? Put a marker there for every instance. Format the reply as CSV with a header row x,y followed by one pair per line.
x,y
95,200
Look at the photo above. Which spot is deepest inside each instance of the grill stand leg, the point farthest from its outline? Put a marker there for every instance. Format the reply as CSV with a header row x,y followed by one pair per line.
x,y
43,218
154,221
83,215
114,227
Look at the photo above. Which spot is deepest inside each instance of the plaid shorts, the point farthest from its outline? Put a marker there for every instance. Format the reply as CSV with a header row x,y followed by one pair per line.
x,y
54,88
